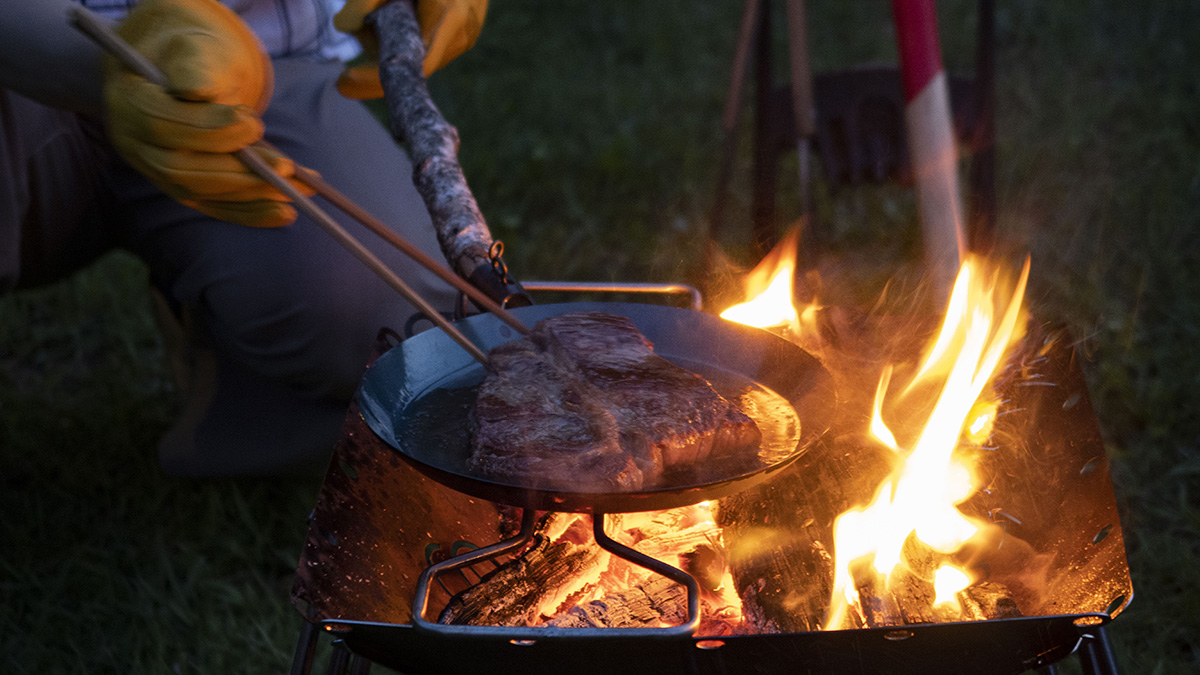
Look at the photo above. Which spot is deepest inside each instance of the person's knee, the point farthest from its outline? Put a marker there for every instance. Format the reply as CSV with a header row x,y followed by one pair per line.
x,y
310,335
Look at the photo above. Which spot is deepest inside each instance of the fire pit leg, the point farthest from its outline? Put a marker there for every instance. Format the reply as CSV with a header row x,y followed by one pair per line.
x,y
359,665
1095,654
339,659
675,574
431,573
306,649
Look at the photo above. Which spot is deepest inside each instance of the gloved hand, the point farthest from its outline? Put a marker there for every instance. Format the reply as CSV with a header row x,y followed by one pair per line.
x,y
219,81
448,28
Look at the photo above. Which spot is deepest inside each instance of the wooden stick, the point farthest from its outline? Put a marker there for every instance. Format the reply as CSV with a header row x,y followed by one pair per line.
x,y
95,28
432,142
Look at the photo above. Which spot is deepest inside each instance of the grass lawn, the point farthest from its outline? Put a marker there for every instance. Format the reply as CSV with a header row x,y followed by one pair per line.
x,y
590,134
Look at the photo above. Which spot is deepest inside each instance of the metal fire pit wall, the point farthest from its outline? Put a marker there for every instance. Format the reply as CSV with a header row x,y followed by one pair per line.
x,y
378,523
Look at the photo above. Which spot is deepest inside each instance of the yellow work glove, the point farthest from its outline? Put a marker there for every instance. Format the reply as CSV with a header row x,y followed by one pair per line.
x,y
219,81
448,28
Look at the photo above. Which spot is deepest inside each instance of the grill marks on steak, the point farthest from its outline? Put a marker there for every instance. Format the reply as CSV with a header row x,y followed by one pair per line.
x,y
584,404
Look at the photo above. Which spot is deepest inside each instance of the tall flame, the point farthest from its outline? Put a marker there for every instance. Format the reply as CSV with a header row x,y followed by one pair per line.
x,y
770,289
770,307
920,497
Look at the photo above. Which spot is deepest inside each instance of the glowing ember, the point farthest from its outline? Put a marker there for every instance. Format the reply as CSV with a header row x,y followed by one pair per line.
x,y
919,498
686,537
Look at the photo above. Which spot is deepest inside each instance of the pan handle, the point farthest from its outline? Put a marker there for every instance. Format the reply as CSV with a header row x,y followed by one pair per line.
x,y
618,287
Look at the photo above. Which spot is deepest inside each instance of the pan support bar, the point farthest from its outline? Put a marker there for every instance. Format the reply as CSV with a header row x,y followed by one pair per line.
x,y
673,573
431,573
421,597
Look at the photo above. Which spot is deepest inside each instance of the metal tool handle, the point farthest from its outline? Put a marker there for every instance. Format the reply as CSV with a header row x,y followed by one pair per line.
x,y
694,297
260,167
97,29
334,196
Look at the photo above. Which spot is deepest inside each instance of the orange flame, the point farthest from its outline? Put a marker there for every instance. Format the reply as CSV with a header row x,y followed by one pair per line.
x,y
920,497
770,288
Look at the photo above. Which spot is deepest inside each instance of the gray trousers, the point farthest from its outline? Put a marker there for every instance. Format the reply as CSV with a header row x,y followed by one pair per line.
x,y
289,315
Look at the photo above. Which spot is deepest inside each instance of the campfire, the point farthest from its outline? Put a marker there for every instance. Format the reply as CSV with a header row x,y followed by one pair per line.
x,y
894,559
565,580
963,482
902,543
913,518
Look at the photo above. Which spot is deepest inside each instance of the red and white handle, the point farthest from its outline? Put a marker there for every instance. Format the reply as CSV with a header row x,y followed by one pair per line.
x,y
930,138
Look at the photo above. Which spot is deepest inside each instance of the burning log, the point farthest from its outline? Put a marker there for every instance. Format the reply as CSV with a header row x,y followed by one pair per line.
x,y
987,600
656,602
563,566
706,563
905,597
542,576
876,605
914,596
910,595
776,534
780,534
912,586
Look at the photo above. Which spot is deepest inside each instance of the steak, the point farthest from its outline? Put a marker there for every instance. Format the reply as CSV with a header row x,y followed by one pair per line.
x,y
584,404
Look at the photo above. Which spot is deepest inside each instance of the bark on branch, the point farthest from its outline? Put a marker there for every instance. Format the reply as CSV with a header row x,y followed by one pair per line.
x,y
432,142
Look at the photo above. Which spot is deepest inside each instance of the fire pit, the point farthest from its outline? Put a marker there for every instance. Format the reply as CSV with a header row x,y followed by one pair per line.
x,y
1046,573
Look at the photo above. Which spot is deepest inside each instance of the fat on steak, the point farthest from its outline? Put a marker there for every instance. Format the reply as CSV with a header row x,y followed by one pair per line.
x,y
584,404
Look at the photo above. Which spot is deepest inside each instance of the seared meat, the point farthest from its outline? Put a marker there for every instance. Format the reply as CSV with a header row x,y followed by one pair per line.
x,y
584,404
538,426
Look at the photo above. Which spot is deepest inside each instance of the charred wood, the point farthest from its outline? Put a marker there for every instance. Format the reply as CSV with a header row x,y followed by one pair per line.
x,y
540,577
655,602
907,599
706,564
987,600
876,606
778,536
914,597
912,584
904,599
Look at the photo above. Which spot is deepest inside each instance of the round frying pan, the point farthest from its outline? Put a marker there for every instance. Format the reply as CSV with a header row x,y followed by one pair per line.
x,y
418,398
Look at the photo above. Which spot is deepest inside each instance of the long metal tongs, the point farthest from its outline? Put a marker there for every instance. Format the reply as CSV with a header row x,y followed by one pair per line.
x,y
99,31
